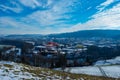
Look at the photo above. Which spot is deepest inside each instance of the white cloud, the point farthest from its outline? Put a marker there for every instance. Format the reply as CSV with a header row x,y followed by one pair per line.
x,y
108,19
37,3
105,4
11,6
30,3
43,17
51,16
6,21
39,21
44,21
12,26
64,6
14,9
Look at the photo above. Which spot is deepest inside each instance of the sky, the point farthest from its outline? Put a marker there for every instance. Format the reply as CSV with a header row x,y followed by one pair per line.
x,y
57,16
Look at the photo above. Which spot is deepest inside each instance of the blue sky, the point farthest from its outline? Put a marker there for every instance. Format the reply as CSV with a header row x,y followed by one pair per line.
x,y
57,16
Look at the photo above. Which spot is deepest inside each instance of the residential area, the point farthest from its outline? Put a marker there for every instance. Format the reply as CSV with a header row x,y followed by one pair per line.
x,y
58,52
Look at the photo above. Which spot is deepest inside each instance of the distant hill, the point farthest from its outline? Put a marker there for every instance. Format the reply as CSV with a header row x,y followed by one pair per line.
x,y
24,36
89,34
78,34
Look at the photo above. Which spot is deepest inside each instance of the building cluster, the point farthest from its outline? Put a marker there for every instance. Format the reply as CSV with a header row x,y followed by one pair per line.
x,y
50,55
58,52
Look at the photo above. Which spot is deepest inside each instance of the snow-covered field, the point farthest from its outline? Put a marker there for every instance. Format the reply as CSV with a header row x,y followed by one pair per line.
x,y
109,62
110,71
84,70
15,71
108,68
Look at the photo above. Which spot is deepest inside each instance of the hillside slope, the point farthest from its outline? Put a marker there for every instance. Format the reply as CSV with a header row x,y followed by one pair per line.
x,y
15,71
89,34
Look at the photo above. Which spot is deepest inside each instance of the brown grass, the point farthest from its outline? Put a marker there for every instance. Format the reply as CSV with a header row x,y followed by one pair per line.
x,y
43,72
8,65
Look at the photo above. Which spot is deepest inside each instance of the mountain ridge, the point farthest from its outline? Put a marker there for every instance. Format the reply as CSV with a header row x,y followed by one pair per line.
x,y
98,33
89,34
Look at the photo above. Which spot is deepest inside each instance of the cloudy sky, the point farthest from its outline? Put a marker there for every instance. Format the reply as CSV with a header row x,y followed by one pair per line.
x,y
57,16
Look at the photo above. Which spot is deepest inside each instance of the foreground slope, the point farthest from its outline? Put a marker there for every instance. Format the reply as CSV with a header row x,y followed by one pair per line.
x,y
17,71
